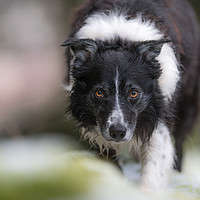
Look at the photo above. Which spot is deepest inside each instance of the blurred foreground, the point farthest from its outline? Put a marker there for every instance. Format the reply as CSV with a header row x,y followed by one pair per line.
x,y
48,170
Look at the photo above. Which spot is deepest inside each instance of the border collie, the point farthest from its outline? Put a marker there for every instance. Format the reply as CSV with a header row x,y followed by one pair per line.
x,y
134,77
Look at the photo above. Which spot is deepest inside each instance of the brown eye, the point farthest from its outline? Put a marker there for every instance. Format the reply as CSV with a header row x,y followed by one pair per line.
x,y
99,93
133,94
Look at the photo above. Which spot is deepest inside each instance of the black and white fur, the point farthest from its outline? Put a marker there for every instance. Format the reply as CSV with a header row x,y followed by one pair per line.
x,y
150,47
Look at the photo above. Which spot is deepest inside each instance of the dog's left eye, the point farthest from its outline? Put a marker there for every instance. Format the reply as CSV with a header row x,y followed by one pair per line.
x,y
99,93
133,94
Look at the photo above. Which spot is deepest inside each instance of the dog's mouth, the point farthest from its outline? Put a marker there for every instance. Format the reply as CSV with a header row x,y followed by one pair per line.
x,y
118,141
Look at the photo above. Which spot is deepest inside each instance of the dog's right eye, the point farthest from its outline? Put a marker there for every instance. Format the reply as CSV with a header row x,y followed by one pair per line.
x,y
99,93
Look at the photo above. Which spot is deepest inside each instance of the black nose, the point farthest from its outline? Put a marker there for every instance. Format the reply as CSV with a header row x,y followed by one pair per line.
x,y
117,132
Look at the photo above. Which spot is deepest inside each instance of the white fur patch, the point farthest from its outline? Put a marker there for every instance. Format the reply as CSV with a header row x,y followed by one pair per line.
x,y
107,27
96,139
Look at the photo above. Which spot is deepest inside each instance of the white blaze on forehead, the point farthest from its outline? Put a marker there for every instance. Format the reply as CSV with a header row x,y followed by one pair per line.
x,y
117,114
107,27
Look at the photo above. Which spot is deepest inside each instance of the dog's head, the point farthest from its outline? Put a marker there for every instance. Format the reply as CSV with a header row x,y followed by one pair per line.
x,y
116,87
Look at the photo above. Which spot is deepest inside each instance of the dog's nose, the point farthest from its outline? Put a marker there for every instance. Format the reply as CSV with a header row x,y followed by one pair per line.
x,y
117,132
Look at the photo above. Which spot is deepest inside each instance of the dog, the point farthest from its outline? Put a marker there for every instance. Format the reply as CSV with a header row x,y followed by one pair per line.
x,y
134,79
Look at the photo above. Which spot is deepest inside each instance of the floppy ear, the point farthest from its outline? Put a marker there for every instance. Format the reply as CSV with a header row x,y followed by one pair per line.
x,y
151,49
83,49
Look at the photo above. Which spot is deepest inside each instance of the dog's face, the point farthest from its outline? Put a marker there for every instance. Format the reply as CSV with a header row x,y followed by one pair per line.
x,y
116,87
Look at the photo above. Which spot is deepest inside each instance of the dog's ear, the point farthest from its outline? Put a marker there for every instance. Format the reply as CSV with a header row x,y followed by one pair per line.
x,y
151,49
83,49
